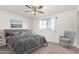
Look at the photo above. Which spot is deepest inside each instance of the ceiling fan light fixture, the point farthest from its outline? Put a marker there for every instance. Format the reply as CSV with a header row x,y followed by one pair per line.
x,y
35,9
34,13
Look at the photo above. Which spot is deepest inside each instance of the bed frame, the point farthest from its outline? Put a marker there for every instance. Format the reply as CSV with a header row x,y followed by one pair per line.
x,y
7,31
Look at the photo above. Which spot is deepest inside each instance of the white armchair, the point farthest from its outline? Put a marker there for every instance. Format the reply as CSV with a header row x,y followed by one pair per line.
x,y
67,39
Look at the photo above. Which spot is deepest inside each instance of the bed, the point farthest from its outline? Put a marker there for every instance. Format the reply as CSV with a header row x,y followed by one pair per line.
x,y
23,40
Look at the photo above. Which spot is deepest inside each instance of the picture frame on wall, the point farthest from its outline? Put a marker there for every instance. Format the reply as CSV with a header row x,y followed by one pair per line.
x,y
14,23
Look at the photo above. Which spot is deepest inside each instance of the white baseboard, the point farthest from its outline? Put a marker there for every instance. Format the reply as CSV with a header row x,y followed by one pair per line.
x,y
77,46
52,41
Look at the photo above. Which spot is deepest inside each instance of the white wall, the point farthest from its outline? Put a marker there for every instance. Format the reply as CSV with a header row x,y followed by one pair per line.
x,y
5,20
77,40
66,21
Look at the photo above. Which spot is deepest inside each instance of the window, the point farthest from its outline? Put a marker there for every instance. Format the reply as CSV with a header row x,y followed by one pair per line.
x,y
48,23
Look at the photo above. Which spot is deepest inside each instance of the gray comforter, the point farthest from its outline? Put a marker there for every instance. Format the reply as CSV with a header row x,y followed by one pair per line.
x,y
22,43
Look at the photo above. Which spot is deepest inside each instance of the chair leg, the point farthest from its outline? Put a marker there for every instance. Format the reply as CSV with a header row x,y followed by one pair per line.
x,y
68,46
60,43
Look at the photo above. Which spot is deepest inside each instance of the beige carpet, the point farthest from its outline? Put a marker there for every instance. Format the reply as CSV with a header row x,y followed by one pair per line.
x,y
52,48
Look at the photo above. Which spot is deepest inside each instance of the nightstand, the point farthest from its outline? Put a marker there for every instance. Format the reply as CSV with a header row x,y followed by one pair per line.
x,y
2,41
2,37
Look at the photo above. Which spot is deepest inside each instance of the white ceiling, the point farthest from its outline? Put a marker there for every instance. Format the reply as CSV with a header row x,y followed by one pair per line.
x,y
48,9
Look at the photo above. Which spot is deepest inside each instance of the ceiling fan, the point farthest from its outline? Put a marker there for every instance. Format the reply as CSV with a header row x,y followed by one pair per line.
x,y
34,9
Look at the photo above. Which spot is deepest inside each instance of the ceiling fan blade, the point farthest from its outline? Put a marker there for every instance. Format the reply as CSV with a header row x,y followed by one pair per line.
x,y
41,12
40,7
28,6
27,11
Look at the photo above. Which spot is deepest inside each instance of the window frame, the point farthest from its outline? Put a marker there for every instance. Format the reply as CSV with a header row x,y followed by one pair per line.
x,y
47,28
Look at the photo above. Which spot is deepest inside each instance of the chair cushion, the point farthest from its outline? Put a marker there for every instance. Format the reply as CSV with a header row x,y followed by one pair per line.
x,y
65,39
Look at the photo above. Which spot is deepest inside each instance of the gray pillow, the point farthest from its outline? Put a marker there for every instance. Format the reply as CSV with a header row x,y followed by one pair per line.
x,y
25,33
15,33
